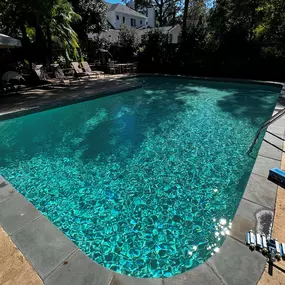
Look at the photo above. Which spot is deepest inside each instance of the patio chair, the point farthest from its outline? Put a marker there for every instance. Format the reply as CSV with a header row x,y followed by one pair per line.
x,y
12,82
126,68
112,68
87,69
8,88
134,67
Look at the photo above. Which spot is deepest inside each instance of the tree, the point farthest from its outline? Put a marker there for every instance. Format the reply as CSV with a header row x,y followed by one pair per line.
x,y
165,10
195,12
93,14
272,25
40,23
127,43
59,28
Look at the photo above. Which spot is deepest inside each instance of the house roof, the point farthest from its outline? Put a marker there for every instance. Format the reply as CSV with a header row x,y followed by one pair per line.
x,y
164,30
124,9
108,5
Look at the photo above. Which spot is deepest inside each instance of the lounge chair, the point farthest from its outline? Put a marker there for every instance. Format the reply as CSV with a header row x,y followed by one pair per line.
x,y
42,77
78,70
60,76
88,70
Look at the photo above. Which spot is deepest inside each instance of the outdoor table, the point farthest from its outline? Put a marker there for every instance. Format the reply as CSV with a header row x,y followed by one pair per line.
x,y
122,65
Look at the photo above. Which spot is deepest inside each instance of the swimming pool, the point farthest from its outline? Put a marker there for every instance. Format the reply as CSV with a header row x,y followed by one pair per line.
x,y
145,182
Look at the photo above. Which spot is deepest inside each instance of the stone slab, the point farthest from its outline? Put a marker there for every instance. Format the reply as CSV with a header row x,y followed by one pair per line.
x,y
79,269
43,245
6,189
270,151
16,212
202,274
245,219
237,264
120,279
263,165
261,191
278,127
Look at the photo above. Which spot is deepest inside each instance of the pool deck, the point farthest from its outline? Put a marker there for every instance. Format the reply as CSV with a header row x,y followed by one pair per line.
x,y
56,260
30,101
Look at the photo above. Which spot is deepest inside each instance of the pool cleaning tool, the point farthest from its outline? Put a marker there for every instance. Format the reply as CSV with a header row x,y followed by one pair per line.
x,y
264,244
250,240
277,176
271,248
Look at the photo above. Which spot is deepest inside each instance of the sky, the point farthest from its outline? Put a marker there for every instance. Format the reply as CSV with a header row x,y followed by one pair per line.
x,y
209,2
114,1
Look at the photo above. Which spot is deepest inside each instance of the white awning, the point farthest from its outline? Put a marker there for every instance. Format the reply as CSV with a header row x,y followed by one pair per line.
x,y
8,42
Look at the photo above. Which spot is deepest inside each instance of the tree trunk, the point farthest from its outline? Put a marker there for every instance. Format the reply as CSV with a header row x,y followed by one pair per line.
x,y
49,48
41,46
174,16
160,17
25,44
185,14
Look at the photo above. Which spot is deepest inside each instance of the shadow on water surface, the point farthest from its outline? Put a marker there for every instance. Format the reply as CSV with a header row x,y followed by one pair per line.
x,y
148,109
250,104
126,119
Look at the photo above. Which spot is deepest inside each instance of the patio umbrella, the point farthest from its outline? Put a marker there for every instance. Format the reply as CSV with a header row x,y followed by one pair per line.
x,y
12,75
8,42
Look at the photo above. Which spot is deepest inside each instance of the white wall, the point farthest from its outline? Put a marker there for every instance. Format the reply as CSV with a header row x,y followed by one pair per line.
x,y
175,32
139,21
151,17
112,18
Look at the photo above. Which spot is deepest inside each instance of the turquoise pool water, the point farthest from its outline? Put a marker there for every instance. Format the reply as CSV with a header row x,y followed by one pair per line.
x,y
145,182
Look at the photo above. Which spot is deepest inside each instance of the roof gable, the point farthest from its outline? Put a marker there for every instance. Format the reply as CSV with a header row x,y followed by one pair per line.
x,y
125,10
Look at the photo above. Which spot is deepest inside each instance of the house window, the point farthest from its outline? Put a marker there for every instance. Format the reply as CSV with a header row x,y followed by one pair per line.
x,y
141,22
123,19
118,18
133,22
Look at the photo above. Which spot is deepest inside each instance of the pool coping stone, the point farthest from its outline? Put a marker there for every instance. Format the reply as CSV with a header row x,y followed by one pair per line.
x,y
59,261
261,191
44,245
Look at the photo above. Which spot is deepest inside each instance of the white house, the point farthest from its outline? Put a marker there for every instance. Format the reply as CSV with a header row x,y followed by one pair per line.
x,y
172,32
119,14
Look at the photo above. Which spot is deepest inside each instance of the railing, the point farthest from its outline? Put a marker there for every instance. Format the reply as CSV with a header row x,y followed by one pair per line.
x,y
267,123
